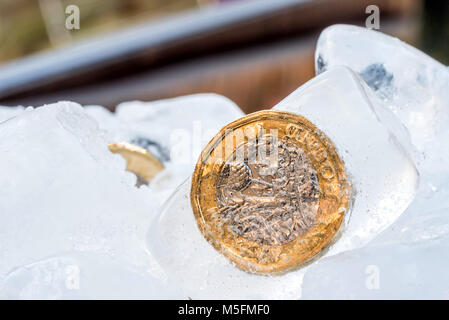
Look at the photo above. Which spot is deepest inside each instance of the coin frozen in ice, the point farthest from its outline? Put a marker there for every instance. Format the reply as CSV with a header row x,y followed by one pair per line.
x,y
269,191
138,161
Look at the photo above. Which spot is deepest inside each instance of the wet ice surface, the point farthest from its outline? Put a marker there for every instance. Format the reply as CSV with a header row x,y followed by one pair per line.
x,y
380,194
413,85
63,191
174,130
409,258
383,176
382,272
199,270
9,112
73,222
85,275
407,261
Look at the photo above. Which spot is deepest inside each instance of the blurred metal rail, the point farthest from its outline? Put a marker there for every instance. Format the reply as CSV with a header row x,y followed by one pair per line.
x,y
150,46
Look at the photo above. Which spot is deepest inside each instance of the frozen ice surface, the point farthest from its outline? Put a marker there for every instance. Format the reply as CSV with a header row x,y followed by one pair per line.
x,y
407,261
181,126
113,129
200,271
413,85
9,112
175,130
62,190
163,127
84,275
382,272
68,203
383,177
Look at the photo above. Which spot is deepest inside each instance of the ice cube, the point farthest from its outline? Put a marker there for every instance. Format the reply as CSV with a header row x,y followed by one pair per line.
x,y
9,112
175,130
383,177
62,190
181,126
200,271
425,220
85,275
164,127
406,261
114,130
401,270
413,85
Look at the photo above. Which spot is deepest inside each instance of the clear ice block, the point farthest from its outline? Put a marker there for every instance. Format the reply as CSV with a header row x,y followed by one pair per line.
x,y
174,130
181,125
84,275
199,270
408,257
62,190
406,261
413,85
410,263
383,177
9,112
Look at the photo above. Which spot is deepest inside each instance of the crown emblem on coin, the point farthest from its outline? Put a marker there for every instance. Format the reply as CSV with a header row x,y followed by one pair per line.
x,y
270,192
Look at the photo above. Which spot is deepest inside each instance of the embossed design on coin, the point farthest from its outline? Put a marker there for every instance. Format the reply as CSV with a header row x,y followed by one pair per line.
x,y
270,192
269,208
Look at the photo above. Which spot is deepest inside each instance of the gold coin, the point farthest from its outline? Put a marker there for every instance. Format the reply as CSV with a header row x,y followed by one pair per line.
x,y
138,161
270,192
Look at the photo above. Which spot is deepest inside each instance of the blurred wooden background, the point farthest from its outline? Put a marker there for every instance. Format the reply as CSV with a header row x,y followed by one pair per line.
x,y
254,52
